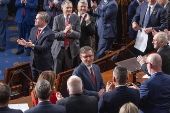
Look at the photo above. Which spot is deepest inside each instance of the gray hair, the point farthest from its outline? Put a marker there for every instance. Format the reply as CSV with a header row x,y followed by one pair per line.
x,y
74,84
120,74
43,89
44,16
83,1
5,92
129,108
65,2
84,49
162,36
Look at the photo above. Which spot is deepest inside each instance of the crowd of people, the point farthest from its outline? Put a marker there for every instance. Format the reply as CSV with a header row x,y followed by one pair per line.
x,y
59,38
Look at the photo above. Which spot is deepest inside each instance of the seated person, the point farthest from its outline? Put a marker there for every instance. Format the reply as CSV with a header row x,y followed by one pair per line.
x,y
129,108
50,76
5,92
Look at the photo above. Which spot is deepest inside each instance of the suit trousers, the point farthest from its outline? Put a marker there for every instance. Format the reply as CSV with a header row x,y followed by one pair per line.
x,y
64,60
24,32
3,33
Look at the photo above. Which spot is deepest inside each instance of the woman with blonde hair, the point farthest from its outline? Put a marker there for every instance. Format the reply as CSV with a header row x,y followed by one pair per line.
x,y
129,108
50,76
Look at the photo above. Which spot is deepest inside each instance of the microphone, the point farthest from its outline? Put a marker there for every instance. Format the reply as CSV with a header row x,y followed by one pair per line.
x,y
114,57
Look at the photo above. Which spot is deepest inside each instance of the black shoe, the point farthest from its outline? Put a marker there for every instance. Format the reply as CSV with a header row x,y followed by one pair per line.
x,y
2,49
19,52
27,54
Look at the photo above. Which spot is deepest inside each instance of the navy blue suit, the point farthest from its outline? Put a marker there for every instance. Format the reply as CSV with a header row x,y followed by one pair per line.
x,y
155,94
46,107
106,15
6,109
110,102
3,21
25,22
89,87
41,57
157,20
131,13
50,10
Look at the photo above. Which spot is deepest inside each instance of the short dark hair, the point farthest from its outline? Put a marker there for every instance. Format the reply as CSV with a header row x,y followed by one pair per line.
x,y
84,49
44,16
120,74
43,89
5,93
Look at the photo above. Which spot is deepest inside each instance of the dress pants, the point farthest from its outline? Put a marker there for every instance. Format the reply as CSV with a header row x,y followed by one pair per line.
x,y
64,61
3,33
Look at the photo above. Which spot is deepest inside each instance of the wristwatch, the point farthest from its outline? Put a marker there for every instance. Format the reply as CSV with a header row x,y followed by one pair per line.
x,y
32,46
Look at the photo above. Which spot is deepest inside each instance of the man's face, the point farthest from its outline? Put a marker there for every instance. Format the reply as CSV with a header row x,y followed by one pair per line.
x,y
67,9
38,21
152,2
87,57
82,8
161,2
156,42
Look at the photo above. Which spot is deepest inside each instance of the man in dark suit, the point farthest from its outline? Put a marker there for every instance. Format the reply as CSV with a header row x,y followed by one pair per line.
x,y
110,102
89,73
155,92
166,5
87,23
53,8
66,45
5,93
131,13
77,102
3,21
150,15
105,14
41,40
25,17
43,92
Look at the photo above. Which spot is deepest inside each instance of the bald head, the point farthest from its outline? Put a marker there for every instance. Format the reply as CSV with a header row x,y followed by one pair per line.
x,y
162,2
154,63
74,85
160,39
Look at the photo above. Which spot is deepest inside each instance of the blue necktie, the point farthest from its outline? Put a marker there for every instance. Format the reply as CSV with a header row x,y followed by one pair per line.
x,y
147,17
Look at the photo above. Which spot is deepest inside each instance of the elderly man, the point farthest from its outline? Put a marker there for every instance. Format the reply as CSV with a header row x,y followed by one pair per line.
x,y
87,23
150,15
89,73
41,39
155,92
110,102
77,102
160,43
66,45
5,92
43,92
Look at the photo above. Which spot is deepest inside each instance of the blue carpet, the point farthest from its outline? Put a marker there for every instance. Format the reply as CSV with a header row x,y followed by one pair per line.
x,y
8,58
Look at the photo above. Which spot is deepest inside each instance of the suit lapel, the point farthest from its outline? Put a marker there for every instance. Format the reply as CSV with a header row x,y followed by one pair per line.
x,y
154,11
62,20
42,33
83,21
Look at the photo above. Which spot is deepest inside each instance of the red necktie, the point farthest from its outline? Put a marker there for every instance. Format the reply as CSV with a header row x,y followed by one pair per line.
x,y
93,76
66,40
80,18
24,12
38,33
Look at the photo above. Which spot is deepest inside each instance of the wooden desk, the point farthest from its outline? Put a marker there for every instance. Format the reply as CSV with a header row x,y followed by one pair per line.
x,y
22,100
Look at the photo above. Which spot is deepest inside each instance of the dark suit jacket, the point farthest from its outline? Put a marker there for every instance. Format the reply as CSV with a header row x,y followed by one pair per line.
x,y
110,102
164,52
168,14
87,31
46,107
79,103
41,53
6,109
4,9
106,19
131,13
30,7
58,28
155,94
158,21
89,86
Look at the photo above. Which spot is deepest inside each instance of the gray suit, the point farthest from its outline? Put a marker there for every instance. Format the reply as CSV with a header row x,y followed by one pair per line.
x,y
74,46
168,14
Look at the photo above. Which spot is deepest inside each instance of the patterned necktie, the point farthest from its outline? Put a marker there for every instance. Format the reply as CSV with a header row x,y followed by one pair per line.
x,y
66,40
38,33
93,76
147,16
